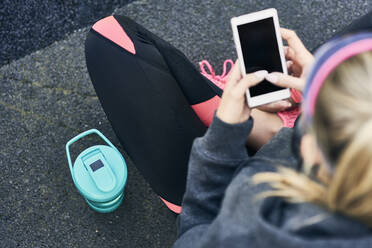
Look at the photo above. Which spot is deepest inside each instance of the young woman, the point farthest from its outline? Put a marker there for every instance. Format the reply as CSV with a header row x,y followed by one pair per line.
x,y
273,198
324,203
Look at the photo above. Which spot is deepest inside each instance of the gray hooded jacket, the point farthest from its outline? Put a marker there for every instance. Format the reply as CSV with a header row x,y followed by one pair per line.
x,y
220,209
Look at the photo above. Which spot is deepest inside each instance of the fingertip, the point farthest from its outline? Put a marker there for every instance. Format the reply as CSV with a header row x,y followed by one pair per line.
x,y
252,79
273,77
289,63
284,105
284,31
261,74
236,74
287,104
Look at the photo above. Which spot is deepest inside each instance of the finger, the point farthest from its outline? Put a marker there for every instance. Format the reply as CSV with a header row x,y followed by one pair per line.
x,y
289,66
292,39
248,81
285,81
285,50
296,70
290,53
235,75
276,106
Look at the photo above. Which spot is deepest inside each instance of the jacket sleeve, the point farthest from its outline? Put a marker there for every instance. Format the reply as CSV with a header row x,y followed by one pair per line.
x,y
213,161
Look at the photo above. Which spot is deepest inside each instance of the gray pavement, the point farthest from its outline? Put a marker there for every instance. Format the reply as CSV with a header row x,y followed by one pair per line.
x,y
30,25
46,98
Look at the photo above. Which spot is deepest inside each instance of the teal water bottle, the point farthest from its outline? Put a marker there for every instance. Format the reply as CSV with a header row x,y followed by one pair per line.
x,y
99,173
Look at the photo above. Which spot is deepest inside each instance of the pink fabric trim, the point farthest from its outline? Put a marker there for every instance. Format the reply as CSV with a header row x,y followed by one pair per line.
x,y
296,96
205,110
110,28
330,65
289,117
175,208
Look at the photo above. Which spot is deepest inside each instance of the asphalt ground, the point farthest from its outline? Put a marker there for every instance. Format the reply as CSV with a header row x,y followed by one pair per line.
x,y
46,98
30,25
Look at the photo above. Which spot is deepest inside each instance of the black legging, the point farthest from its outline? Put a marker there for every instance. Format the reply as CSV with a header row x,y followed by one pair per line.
x,y
146,97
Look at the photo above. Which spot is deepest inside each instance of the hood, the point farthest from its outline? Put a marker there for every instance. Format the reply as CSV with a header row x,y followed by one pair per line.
x,y
306,225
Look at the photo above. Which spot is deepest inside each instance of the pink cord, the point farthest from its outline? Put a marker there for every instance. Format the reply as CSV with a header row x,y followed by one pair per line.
x,y
218,80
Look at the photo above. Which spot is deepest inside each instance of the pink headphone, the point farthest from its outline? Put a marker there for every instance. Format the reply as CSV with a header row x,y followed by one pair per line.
x,y
328,57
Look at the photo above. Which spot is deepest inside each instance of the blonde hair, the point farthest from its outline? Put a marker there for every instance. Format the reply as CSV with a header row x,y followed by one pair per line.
x,y
342,127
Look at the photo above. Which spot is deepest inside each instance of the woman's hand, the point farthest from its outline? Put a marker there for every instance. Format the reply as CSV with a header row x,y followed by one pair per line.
x,y
233,107
298,61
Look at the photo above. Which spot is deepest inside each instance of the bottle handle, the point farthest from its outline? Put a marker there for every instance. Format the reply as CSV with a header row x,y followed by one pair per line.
x,y
79,136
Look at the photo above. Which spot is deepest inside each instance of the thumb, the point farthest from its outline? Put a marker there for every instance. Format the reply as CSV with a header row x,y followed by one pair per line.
x,y
286,81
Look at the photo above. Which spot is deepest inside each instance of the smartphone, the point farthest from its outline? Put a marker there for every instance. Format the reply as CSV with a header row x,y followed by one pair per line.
x,y
259,46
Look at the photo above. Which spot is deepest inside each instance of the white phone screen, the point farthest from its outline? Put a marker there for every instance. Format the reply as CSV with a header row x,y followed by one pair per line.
x,y
260,52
